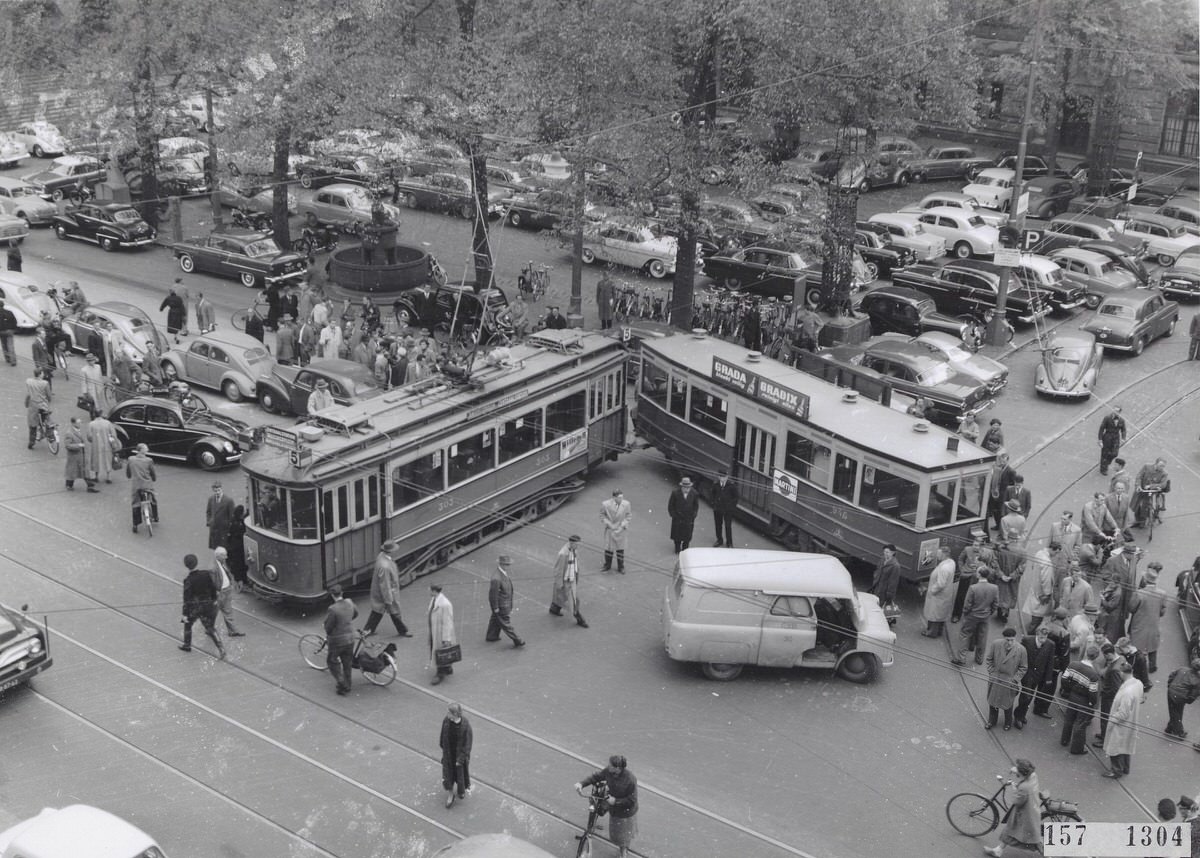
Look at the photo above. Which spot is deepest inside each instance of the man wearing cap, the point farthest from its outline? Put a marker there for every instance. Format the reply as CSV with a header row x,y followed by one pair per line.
x,y
1110,437
566,581
385,591
339,638
1079,689
977,613
500,600
724,504
1150,479
683,507
1007,662
615,515
1076,593
1082,630
1146,607
140,471
218,515
970,560
555,321
199,603
320,398
939,595
223,581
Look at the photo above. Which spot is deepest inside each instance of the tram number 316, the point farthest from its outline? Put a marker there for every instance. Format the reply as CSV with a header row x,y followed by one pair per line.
x,y
1116,839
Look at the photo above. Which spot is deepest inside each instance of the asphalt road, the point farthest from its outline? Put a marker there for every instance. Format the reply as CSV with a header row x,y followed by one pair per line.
x,y
258,756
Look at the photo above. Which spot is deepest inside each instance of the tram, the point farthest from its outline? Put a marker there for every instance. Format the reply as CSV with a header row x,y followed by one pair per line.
x,y
441,466
818,467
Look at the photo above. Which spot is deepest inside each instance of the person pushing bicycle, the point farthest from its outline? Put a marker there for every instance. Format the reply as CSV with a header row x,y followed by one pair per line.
x,y
1152,484
621,800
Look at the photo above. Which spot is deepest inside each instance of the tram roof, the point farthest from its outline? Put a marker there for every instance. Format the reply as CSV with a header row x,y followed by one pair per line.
x,y
774,572
863,422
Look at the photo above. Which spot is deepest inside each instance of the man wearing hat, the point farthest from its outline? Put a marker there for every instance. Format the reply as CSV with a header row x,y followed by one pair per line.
x,y
566,581
1007,662
285,340
555,321
1020,494
1121,577
683,507
218,515
973,557
1183,687
724,504
320,398
500,600
1146,608
140,470
615,515
1013,524
385,591
1110,437
93,387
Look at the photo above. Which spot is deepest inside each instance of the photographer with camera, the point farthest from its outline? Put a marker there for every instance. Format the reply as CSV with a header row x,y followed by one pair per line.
x,y
621,800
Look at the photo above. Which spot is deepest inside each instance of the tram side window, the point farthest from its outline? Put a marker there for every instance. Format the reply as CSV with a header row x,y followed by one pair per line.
x,y
807,460
845,475
709,412
304,514
678,396
469,458
270,507
520,435
654,383
888,494
971,496
565,415
416,480
941,503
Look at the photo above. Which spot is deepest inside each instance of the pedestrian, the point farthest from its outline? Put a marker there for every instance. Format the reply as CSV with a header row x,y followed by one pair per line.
x,y
330,341
339,639
615,514
1151,486
969,563
285,340
1020,494
1039,603
320,398
93,387
455,741
500,601
1137,662
1110,437
887,577
306,342
76,468
224,581
724,505
993,439
122,382
622,800
977,614
1038,683
1110,683
939,595
43,356
1120,509
1095,520
385,591
968,428
37,404
1079,689
176,311
1121,740
236,547
441,631
683,506
1146,608
555,321
605,295
1194,333
1002,476
518,314
14,257
1119,474
1010,565
102,446
206,317
1007,662
396,369
1183,687
1067,533
254,328
566,581
140,471
1022,824
199,603
8,329
1076,593
218,513
1013,523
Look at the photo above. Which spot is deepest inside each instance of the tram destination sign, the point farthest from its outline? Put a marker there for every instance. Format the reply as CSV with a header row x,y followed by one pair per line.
x,y
764,390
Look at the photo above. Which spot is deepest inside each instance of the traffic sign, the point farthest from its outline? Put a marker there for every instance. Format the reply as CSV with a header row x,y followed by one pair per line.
x,y
1022,204
1029,238
1008,257
1133,189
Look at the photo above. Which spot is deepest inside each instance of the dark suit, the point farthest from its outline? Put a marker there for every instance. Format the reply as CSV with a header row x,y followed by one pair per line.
x,y
1022,496
218,515
339,633
1039,679
200,603
500,599
724,504
683,509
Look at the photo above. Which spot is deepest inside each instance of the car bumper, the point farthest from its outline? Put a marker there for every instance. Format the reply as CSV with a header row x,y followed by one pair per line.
x,y
24,674
1069,305
1121,344
136,242
280,278
1076,392
1180,290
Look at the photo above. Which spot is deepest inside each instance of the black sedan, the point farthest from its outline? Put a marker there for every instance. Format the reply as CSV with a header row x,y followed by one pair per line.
x,y
1182,280
249,256
543,210
758,270
898,309
189,434
24,649
437,307
877,251
349,168
110,225
287,388
447,192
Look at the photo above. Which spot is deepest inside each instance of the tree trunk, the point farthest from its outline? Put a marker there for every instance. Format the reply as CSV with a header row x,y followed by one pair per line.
x,y
279,175
480,241
1058,92
147,138
683,285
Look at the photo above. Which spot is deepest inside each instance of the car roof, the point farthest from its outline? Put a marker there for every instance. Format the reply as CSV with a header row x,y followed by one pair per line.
x,y
1038,262
1161,220
949,211
228,337
998,173
940,338
896,218
949,195
772,572
1066,339
890,347
900,292
1080,254
120,308
109,207
342,188
64,160
78,831
1133,298
1080,217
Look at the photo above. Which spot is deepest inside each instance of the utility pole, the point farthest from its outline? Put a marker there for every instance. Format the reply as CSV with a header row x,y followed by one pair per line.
x,y
210,172
1016,215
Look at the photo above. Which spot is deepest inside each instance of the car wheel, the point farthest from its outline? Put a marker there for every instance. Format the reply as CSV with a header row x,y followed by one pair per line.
x,y
514,218
60,231
588,256
859,667
208,459
186,264
25,217
306,180
902,180
721,672
38,151
247,279
1166,261
1092,301
657,269
872,271
311,220
973,173
269,401
918,178
1139,346
1171,327
170,373
231,390
107,245
57,195
404,317
864,186
410,200
962,250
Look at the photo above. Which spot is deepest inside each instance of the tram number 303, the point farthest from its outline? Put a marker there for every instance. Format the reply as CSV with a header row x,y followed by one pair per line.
x,y
1117,839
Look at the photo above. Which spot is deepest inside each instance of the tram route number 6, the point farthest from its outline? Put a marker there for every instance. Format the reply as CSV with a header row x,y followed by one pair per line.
x,y
1116,839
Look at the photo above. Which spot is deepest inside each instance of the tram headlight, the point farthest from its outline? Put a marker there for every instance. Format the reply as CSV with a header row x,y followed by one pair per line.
x,y
270,572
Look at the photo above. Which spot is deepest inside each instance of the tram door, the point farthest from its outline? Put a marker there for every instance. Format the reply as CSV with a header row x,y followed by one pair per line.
x,y
754,450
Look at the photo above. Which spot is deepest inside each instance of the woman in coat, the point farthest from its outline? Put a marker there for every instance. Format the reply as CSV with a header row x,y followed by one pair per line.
x,y
456,741
94,385
1121,735
1022,825
441,629
176,313
76,465
1006,663
102,442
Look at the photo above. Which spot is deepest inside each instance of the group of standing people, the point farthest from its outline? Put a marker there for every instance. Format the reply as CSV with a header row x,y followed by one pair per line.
x,y
208,592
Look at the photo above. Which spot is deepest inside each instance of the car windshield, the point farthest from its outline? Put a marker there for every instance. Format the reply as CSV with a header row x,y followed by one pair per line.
x,y
358,198
1119,311
262,247
23,191
992,182
916,228
1068,357
9,625
126,216
934,374
196,148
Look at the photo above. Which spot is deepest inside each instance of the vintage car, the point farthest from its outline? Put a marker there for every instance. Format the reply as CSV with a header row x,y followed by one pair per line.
x,y
992,188
1119,180
110,225
135,327
817,160
732,220
965,233
1129,322
20,199
1075,229
1182,280
224,360
40,139
285,389
366,141
448,192
1122,255
904,231
542,210
181,177
187,433
436,307
969,288
344,168
1184,210
240,192
784,209
76,831
879,254
630,245
1034,166
1070,365
758,270
64,175
1045,275
944,162
1050,196
898,309
251,257
24,653
512,177
956,200
435,158
26,301
992,373
1098,275
344,206
1165,237
12,229
11,150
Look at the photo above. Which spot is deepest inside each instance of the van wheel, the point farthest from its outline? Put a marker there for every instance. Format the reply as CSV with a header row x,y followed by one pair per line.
x,y
721,672
860,667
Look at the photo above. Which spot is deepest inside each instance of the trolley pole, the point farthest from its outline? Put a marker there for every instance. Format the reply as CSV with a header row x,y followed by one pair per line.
x,y
1016,213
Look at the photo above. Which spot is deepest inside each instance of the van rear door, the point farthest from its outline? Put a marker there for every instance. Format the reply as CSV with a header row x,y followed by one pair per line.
x,y
789,628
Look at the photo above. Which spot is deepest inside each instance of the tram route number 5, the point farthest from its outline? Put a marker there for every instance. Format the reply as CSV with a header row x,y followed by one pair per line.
x,y
300,458
1116,839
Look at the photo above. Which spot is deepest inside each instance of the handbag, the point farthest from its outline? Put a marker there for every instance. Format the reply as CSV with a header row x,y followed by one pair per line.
x,y
85,402
444,656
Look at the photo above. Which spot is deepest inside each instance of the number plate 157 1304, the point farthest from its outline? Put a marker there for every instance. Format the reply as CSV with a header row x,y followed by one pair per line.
x,y
1117,839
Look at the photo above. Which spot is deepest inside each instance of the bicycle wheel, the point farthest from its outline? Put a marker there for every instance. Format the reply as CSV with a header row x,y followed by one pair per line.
x,y
385,677
148,517
52,440
312,650
239,319
972,814
1150,523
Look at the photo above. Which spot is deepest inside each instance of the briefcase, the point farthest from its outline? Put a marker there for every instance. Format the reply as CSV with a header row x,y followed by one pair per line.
x,y
445,656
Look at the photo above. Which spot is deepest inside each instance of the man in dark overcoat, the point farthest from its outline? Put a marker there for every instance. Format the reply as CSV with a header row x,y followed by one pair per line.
x,y
1110,437
1040,676
500,600
724,504
218,515
683,507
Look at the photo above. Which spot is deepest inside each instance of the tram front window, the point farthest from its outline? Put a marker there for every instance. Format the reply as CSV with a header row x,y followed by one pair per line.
x,y
970,496
270,507
654,383
288,512
889,495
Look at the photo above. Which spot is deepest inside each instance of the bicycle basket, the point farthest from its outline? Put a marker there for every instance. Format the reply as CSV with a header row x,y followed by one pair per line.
x,y
1058,805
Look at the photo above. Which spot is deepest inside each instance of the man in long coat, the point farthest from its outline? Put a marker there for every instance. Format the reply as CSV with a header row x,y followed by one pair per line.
x,y
724,504
1006,663
441,630
615,514
1110,437
1040,677
1145,610
939,597
218,513
500,600
76,468
385,591
205,315
1039,603
176,312
94,385
969,564
456,740
683,507
1121,738
605,295
102,443
887,576
566,581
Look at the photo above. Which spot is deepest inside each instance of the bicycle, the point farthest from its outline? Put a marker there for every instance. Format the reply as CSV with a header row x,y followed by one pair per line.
x,y
313,650
597,808
47,429
532,281
975,815
240,317
146,505
1157,504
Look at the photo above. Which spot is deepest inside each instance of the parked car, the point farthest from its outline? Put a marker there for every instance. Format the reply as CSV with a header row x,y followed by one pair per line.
x,y
736,220
189,434
344,168
345,206
20,199
110,225
27,302
389,149
1165,237
782,209
1182,280
1050,196
758,270
65,174
631,245
905,231
882,254
24,653
180,177
968,288
1119,181
435,158
11,150
12,230
964,233
1035,166
944,162
135,327
1098,275
436,307
1186,211
956,200
1045,275
1131,321
1074,229
992,188
512,177
285,389
249,256
948,347
1070,366
228,361
240,192
448,192
76,831
40,139
816,160
541,210
907,311
1121,254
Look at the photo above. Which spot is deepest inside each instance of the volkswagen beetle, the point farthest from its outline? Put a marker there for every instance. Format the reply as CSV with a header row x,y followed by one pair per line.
x,y
1070,366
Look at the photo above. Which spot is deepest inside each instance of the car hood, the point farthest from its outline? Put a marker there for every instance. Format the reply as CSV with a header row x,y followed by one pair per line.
x,y
37,205
41,177
210,421
1180,276
960,384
